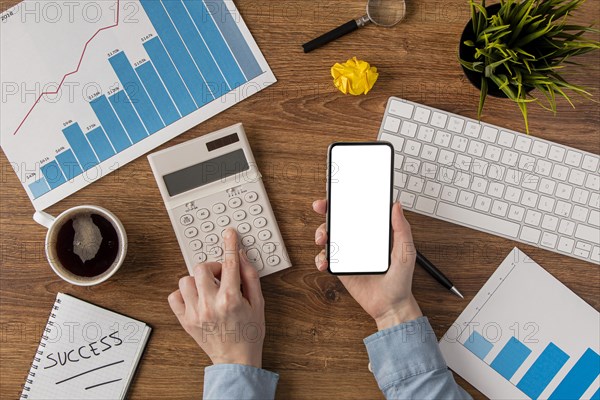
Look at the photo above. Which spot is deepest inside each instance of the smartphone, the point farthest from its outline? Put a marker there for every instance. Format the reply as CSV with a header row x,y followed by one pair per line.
x,y
359,207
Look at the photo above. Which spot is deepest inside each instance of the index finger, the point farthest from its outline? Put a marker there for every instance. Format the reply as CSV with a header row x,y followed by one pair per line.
x,y
230,270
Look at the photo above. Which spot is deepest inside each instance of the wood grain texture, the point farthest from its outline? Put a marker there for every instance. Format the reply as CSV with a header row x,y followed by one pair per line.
x,y
316,329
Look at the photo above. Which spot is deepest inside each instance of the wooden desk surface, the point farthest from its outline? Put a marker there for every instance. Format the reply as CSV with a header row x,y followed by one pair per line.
x,y
315,329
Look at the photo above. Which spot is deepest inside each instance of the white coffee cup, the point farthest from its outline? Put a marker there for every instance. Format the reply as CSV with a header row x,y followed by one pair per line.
x,y
54,225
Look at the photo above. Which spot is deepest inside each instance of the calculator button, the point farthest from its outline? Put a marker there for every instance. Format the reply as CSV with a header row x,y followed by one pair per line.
x,y
248,240
239,215
186,219
211,239
235,202
207,226
265,234
254,257
199,258
195,245
273,260
190,232
268,247
251,197
223,220
219,208
244,228
203,213
260,222
215,251
255,209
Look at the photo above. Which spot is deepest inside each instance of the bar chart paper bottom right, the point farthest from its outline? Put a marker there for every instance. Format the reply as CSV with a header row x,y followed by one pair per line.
x,y
525,335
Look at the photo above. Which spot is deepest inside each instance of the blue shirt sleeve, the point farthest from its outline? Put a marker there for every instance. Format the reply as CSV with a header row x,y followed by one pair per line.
x,y
407,363
235,381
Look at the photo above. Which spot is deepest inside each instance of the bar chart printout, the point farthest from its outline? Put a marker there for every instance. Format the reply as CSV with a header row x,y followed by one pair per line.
x,y
135,80
526,336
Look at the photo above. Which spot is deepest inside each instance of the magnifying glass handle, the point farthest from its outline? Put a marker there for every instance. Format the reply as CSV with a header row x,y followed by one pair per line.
x,y
336,33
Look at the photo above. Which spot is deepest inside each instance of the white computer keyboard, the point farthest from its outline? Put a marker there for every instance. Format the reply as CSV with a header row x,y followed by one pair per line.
x,y
495,180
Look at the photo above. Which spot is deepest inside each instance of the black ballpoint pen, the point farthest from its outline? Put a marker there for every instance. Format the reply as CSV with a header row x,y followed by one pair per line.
x,y
437,274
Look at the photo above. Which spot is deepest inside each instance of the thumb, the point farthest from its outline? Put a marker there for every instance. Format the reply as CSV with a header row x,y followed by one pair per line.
x,y
403,250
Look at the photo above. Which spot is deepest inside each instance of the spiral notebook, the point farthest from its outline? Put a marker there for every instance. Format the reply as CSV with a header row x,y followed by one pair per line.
x,y
86,352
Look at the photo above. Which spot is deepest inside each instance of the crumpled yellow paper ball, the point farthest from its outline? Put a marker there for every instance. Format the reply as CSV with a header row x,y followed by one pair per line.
x,y
354,76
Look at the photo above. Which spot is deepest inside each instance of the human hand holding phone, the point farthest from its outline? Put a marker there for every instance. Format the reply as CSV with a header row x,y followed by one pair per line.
x,y
387,298
226,322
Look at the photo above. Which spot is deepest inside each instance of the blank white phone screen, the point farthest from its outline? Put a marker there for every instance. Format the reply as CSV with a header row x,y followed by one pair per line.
x,y
359,210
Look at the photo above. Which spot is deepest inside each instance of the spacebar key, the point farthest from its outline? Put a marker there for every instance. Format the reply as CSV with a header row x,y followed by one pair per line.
x,y
477,220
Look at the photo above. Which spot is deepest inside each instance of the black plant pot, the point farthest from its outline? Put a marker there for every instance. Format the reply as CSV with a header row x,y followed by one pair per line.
x,y
468,54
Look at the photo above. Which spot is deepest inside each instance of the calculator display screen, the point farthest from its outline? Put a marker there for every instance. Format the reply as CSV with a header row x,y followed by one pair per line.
x,y
206,172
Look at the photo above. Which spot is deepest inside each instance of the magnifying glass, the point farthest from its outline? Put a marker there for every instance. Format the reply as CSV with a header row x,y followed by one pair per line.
x,y
385,13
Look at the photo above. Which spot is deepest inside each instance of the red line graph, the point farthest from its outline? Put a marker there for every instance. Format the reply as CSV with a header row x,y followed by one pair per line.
x,y
75,70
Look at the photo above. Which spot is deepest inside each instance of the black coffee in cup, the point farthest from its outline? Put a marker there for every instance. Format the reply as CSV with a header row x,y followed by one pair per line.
x,y
87,244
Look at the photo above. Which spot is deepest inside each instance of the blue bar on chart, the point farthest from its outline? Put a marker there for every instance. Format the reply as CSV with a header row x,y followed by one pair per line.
x,y
53,174
39,188
177,50
188,32
219,49
80,146
170,76
129,118
112,126
543,370
68,163
478,345
100,143
232,34
136,92
579,378
158,93
510,358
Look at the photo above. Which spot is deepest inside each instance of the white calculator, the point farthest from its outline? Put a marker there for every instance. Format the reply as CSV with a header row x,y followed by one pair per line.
x,y
211,183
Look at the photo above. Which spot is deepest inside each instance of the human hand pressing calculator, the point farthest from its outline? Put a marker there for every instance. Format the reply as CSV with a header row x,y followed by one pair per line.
x,y
211,183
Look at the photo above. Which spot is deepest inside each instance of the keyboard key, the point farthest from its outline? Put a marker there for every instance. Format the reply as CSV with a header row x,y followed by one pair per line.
x,y
530,181
493,153
496,172
580,196
396,141
526,162
442,138
506,139
408,129
573,158
429,152
529,199
438,119
463,162
560,172
594,218
425,133
497,189
595,254
244,228
446,175
398,160
479,185
533,217
543,167
581,253
462,179
432,189
391,124
592,182
412,165
251,197
400,179
476,148
426,205
595,200
539,149
456,124
429,170
459,143
580,214
547,186
472,129
510,158
564,191
415,184
407,199
587,233
499,208
550,223
513,177
449,194
577,177
516,213
546,204
256,209
401,109
590,163
566,244
477,220
483,203
523,144
422,115
465,199
556,153
218,208
412,148
489,134
479,167
530,234
512,194
584,246
563,209
446,157
566,227
549,240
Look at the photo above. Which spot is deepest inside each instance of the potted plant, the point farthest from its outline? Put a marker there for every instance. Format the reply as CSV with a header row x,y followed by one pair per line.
x,y
513,47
